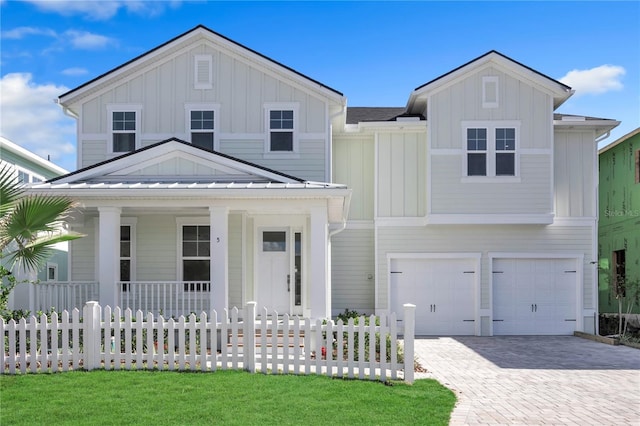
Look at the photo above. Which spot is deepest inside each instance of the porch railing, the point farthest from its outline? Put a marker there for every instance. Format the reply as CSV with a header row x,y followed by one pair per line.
x,y
167,298
63,295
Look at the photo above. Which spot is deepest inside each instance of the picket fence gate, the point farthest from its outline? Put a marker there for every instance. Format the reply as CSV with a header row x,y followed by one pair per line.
x,y
116,340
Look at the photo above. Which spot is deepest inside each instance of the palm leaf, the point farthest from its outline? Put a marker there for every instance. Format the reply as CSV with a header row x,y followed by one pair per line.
x,y
10,189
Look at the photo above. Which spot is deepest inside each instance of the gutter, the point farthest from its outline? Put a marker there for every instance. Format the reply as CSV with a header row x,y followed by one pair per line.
x,y
66,111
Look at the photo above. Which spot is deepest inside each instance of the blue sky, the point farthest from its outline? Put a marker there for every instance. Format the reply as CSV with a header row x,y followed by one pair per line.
x,y
376,53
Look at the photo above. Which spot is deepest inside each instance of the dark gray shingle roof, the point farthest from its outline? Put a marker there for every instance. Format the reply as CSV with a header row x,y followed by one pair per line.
x,y
357,115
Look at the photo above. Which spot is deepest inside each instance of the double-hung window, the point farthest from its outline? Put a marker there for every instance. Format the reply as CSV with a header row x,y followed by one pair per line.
x,y
196,257
124,125
201,123
490,149
281,128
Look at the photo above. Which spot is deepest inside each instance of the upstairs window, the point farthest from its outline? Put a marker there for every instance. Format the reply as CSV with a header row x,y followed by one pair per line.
x,y
505,152
124,131
124,127
202,127
491,149
476,152
25,176
281,130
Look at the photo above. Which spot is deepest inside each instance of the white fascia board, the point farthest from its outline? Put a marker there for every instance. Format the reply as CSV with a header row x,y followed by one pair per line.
x,y
102,191
34,158
392,125
600,127
520,72
489,219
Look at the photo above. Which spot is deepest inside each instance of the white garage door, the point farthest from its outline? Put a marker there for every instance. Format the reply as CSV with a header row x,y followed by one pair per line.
x,y
534,296
442,290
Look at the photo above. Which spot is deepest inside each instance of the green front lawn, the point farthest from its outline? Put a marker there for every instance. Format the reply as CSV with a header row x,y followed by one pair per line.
x,y
223,397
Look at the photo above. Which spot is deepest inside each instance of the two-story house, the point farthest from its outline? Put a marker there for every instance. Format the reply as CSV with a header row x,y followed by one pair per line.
x,y
29,168
210,175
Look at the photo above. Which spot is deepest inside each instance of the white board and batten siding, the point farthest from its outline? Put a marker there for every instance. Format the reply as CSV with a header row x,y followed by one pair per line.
x,y
353,270
353,165
575,174
163,87
520,104
401,174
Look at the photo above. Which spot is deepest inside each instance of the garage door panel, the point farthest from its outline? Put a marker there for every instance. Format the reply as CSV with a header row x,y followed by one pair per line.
x,y
441,289
534,296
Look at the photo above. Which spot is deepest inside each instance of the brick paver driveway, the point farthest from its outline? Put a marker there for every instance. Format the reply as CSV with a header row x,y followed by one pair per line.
x,y
535,380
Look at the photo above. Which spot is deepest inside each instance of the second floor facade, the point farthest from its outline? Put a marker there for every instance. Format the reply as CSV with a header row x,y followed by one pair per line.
x,y
481,144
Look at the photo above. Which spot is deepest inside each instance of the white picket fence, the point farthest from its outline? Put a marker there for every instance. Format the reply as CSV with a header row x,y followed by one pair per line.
x,y
269,343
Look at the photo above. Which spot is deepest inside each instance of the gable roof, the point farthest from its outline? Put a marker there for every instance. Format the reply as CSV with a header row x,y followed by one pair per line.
x,y
561,92
199,29
117,168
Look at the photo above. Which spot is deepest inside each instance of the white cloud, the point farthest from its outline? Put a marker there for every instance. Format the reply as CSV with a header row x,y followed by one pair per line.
x,y
30,118
104,10
86,40
595,81
75,71
22,32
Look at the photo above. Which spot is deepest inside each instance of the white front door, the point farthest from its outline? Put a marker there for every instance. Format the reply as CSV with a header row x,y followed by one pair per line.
x,y
274,279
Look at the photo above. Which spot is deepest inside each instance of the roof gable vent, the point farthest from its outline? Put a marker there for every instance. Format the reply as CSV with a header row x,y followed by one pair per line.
x,y
203,66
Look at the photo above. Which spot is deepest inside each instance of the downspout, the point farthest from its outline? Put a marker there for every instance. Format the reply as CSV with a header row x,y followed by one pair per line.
x,y
603,137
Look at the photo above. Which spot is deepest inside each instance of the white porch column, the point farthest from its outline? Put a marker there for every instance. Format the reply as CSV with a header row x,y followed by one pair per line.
x,y
108,254
219,220
319,279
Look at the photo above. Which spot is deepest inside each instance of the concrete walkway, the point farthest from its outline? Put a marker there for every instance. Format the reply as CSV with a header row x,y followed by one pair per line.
x,y
558,380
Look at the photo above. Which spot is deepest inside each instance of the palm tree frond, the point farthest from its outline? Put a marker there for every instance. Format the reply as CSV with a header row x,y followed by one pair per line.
x,y
10,189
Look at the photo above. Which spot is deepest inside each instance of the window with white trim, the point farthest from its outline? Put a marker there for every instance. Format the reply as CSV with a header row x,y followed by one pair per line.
x,y
201,128
281,125
196,257
491,149
124,131
281,130
124,127
25,176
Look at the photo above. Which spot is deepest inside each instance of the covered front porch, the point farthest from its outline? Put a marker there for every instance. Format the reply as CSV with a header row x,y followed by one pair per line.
x,y
177,256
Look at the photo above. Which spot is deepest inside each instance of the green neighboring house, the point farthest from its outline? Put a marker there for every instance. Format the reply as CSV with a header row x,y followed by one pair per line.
x,y
31,169
619,220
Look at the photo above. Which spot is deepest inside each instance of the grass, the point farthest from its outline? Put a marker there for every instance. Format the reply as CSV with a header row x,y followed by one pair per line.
x,y
224,397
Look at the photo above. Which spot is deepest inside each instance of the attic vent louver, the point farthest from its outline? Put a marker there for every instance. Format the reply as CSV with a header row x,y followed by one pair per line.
x,y
203,66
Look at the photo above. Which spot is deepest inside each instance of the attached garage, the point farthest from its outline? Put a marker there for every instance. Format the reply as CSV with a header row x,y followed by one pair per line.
x,y
442,288
535,296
